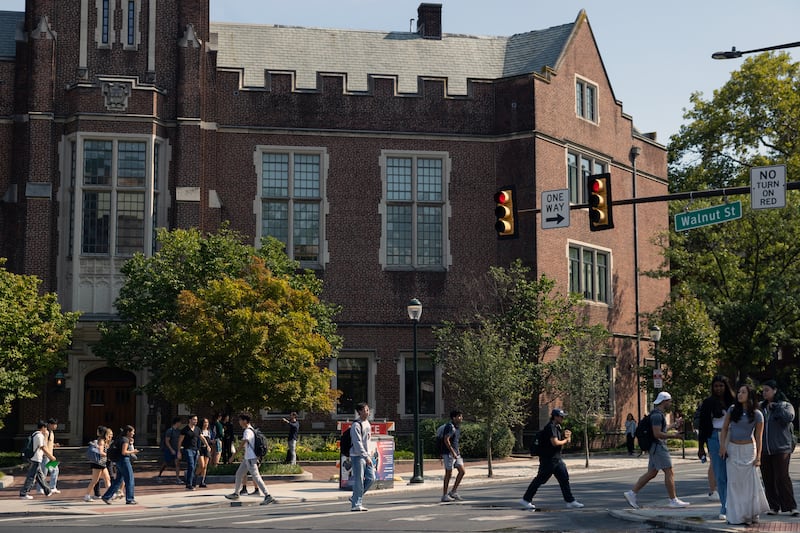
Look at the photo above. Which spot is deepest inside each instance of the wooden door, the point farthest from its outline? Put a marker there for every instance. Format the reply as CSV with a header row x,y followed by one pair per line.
x,y
109,401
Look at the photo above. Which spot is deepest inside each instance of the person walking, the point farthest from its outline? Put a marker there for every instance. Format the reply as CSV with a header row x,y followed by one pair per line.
x,y
777,449
630,433
216,439
363,469
188,448
740,442
249,463
294,432
552,440
40,453
169,445
47,468
124,468
98,462
712,415
227,439
451,456
203,451
658,455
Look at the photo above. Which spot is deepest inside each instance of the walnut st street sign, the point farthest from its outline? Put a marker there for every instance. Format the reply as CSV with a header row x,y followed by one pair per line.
x,y
708,216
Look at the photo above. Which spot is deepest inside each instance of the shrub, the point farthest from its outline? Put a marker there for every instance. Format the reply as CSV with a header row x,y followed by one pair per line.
x,y
472,441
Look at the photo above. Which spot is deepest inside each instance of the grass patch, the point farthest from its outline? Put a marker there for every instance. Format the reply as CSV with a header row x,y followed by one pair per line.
x,y
266,468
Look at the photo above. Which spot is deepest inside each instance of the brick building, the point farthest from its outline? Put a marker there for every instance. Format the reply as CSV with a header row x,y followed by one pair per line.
x,y
373,155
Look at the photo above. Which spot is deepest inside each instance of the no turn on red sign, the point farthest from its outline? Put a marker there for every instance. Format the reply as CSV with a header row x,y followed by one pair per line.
x,y
768,187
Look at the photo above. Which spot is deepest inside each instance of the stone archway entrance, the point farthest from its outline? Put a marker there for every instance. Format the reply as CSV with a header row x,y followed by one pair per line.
x,y
109,401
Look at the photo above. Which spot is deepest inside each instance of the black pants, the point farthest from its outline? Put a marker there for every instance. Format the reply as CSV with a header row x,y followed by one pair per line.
x,y
629,443
550,466
777,483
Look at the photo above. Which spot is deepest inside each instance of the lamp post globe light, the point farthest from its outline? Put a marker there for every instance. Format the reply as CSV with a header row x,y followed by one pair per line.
x,y
414,309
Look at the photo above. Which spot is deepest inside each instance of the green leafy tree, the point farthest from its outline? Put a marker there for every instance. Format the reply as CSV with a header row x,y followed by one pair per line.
x,y
746,272
579,377
188,276
688,351
34,336
487,377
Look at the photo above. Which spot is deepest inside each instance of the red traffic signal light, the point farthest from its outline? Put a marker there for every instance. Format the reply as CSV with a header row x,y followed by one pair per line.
x,y
600,215
504,212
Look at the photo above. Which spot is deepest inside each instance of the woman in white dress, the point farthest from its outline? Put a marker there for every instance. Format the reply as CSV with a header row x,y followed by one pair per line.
x,y
740,442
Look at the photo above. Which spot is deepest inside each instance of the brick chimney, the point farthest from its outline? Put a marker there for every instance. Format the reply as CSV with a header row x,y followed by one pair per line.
x,y
429,21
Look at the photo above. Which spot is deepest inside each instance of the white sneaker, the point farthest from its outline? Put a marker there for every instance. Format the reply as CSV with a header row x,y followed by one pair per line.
x,y
722,517
713,496
574,504
26,497
455,496
630,497
55,491
40,491
677,502
528,506
87,498
794,512
446,498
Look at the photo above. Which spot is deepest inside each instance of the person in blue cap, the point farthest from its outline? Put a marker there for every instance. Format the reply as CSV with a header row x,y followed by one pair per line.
x,y
551,439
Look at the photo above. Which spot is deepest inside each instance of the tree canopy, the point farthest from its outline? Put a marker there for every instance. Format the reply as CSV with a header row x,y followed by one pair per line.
x,y
746,272
216,320
34,336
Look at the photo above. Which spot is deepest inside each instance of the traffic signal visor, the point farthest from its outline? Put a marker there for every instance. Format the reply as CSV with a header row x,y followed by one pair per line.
x,y
504,212
600,202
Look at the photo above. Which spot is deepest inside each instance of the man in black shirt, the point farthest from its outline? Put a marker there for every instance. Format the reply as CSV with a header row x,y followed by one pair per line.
x,y
188,448
550,462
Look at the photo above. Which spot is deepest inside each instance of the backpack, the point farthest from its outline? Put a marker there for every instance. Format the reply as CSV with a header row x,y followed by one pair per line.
x,y
346,441
644,433
439,447
540,445
93,454
27,450
259,444
114,452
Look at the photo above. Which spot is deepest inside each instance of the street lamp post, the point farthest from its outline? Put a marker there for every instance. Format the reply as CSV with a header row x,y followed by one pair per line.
x,y
734,53
414,309
655,336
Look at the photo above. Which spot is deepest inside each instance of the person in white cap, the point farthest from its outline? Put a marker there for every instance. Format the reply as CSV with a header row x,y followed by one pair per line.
x,y
659,453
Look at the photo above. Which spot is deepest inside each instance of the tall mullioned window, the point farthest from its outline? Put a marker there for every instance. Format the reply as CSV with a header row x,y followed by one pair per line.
x,y
415,200
590,273
579,166
291,202
586,100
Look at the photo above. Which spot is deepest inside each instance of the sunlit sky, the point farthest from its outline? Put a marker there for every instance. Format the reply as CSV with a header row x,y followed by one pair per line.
x,y
656,53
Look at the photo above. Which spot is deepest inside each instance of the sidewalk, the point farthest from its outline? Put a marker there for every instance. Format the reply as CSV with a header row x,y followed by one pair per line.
x,y
153,492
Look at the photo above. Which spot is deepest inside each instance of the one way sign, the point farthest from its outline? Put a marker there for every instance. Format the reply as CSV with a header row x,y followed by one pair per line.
x,y
555,209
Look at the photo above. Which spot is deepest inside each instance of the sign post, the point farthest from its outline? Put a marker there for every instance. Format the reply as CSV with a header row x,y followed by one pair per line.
x,y
768,187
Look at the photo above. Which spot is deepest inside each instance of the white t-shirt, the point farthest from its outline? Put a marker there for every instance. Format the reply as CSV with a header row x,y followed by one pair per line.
x,y
38,444
249,438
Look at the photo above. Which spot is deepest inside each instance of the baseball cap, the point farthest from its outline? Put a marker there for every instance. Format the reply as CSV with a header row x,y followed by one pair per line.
x,y
558,412
662,397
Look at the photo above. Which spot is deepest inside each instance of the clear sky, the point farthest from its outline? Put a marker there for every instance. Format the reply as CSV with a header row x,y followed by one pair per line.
x,y
656,53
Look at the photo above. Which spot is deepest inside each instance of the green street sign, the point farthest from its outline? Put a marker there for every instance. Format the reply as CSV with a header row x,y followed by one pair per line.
x,y
708,216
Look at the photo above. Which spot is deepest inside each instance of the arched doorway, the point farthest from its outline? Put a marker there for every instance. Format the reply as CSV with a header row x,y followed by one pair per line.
x,y
109,400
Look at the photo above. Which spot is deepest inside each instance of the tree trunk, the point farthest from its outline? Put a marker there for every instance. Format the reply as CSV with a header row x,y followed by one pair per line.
x,y
489,451
586,439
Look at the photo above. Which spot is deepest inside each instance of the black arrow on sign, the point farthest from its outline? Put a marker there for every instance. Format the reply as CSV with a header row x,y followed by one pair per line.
x,y
557,219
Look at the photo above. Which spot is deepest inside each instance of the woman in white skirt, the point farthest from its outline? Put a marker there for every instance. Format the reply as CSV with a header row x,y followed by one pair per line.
x,y
740,442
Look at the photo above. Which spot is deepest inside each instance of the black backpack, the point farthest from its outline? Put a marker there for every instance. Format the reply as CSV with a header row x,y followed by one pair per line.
x,y
259,444
114,452
346,441
28,451
644,433
541,445
440,448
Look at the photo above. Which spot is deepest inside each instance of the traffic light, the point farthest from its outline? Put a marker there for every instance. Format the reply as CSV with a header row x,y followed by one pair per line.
x,y
505,213
600,216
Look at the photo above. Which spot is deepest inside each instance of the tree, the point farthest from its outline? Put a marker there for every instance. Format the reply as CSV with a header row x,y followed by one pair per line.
x,y
185,278
746,272
485,374
688,350
579,376
34,336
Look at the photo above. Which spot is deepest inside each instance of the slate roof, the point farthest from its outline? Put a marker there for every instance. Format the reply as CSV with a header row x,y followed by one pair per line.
x,y
307,51
8,29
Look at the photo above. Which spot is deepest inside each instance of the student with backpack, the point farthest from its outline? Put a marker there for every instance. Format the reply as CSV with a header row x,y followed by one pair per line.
x,y
659,458
120,452
249,462
363,469
551,439
36,452
451,455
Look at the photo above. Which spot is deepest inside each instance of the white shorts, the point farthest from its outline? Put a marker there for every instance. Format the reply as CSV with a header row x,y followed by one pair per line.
x,y
449,462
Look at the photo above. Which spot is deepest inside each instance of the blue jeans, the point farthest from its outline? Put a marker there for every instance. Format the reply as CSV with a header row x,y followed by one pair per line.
x,y
291,453
124,473
720,470
52,471
191,465
34,476
363,478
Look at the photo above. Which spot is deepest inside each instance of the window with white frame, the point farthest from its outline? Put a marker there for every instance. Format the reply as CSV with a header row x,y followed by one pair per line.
x,y
131,36
116,179
352,379
104,31
414,210
428,389
579,166
586,100
610,401
292,182
590,273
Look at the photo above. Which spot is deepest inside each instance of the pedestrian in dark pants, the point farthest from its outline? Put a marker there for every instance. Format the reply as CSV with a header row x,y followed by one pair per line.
x,y
294,431
227,439
188,447
630,432
777,450
551,463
